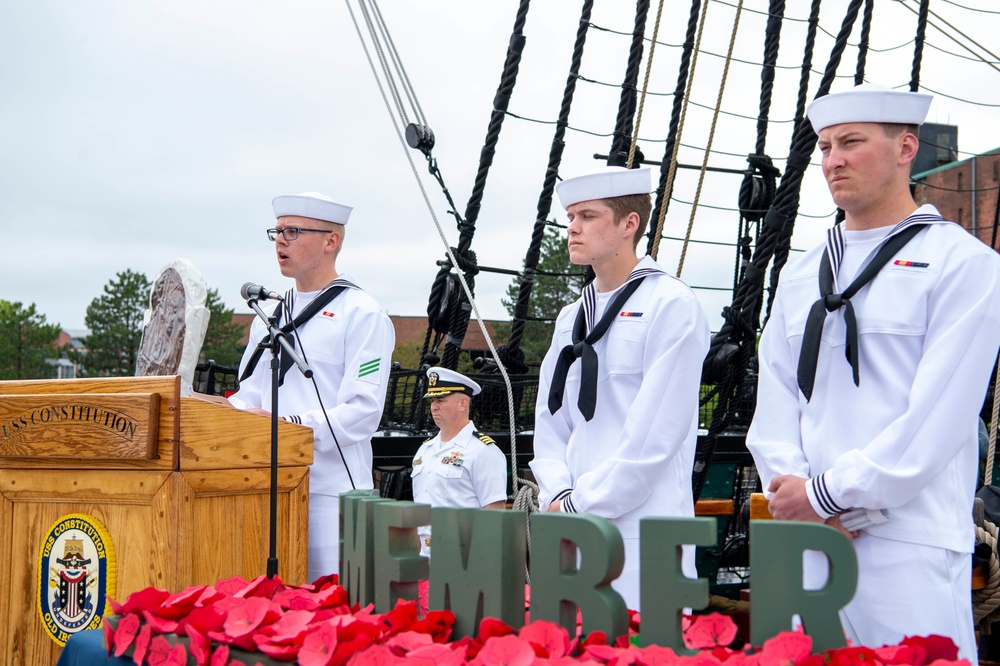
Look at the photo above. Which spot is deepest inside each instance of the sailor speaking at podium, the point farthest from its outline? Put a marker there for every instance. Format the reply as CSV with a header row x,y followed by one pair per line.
x,y
347,340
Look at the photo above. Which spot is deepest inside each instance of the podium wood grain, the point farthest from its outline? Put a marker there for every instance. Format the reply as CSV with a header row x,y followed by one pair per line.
x,y
194,513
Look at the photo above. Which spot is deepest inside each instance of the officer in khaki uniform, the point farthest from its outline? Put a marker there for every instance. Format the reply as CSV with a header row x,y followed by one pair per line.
x,y
459,467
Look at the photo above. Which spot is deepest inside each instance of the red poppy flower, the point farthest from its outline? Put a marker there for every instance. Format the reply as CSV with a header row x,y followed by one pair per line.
x,y
851,656
142,641
409,640
318,647
230,586
399,618
261,586
708,631
186,599
146,599
221,656
295,598
128,627
376,655
200,646
323,581
202,620
160,625
437,623
552,638
506,650
595,638
936,647
902,654
785,649
109,635
491,627
279,652
249,615
162,653
346,649
656,655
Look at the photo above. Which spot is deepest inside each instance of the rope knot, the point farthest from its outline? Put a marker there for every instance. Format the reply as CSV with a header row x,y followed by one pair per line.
x,y
833,302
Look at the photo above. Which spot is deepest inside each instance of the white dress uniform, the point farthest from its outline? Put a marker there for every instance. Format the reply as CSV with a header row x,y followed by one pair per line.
x,y
634,458
905,438
348,345
469,471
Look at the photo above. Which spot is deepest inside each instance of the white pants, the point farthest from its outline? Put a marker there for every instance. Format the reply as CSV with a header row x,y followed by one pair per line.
x,y
904,589
324,535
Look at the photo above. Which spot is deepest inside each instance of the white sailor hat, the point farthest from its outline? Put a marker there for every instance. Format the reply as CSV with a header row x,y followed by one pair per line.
x,y
442,382
869,103
604,184
313,205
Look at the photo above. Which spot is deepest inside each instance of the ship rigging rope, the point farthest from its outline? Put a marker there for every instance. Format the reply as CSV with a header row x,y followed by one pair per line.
x,y
675,136
645,87
437,225
711,138
511,351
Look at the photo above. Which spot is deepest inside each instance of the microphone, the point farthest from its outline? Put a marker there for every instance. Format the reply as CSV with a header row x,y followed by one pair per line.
x,y
255,291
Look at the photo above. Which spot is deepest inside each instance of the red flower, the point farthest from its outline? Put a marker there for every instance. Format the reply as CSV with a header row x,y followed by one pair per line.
x,y
161,653
376,655
405,641
504,651
851,656
318,647
549,636
200,646
437,624
786,649
279,652
902,654
159,625
708,631
399,618
142,642
936,647
109,635
249,615
655,655
128,627
290,628
149,598
261,586
230,586
202,620
346,649
323,581
491,627
221,656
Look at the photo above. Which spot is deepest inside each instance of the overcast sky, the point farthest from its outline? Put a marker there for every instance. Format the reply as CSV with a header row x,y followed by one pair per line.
x,y
133,133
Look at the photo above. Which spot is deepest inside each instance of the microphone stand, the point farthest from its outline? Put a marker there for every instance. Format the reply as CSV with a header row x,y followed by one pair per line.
x,y
278,340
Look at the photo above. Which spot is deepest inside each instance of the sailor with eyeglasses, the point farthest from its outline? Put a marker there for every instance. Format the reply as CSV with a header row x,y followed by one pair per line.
x,y
347,341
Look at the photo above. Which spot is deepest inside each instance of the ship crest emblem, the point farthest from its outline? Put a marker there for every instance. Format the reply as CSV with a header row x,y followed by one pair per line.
x,y
432,379
75,573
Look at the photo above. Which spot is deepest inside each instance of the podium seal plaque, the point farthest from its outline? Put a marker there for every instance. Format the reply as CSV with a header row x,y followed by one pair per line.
x,y
76,570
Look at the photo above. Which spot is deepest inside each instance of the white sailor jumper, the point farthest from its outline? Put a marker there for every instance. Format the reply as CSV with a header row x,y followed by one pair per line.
x,y
634,458
348,345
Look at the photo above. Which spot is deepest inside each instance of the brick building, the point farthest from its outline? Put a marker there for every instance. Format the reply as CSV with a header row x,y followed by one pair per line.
x,y
411,330
965,191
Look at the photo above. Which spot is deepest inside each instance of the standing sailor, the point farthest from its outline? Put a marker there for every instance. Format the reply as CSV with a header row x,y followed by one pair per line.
x,y
458,467
617,415
347,340
888,433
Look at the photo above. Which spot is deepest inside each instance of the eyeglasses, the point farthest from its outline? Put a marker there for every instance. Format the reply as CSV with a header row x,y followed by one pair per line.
x,y
291,233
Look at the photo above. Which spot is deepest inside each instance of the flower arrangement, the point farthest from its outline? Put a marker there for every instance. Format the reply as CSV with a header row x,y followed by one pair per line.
x,y
266,622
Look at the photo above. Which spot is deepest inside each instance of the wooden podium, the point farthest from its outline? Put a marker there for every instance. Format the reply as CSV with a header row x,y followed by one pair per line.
x,y
180,485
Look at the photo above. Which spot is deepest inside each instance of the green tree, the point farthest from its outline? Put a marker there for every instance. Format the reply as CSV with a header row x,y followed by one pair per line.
x,y
25,342
115,323
224,337
557,284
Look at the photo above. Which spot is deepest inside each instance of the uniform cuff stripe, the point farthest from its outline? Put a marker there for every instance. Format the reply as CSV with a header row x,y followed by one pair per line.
x,y
823,498
567,504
